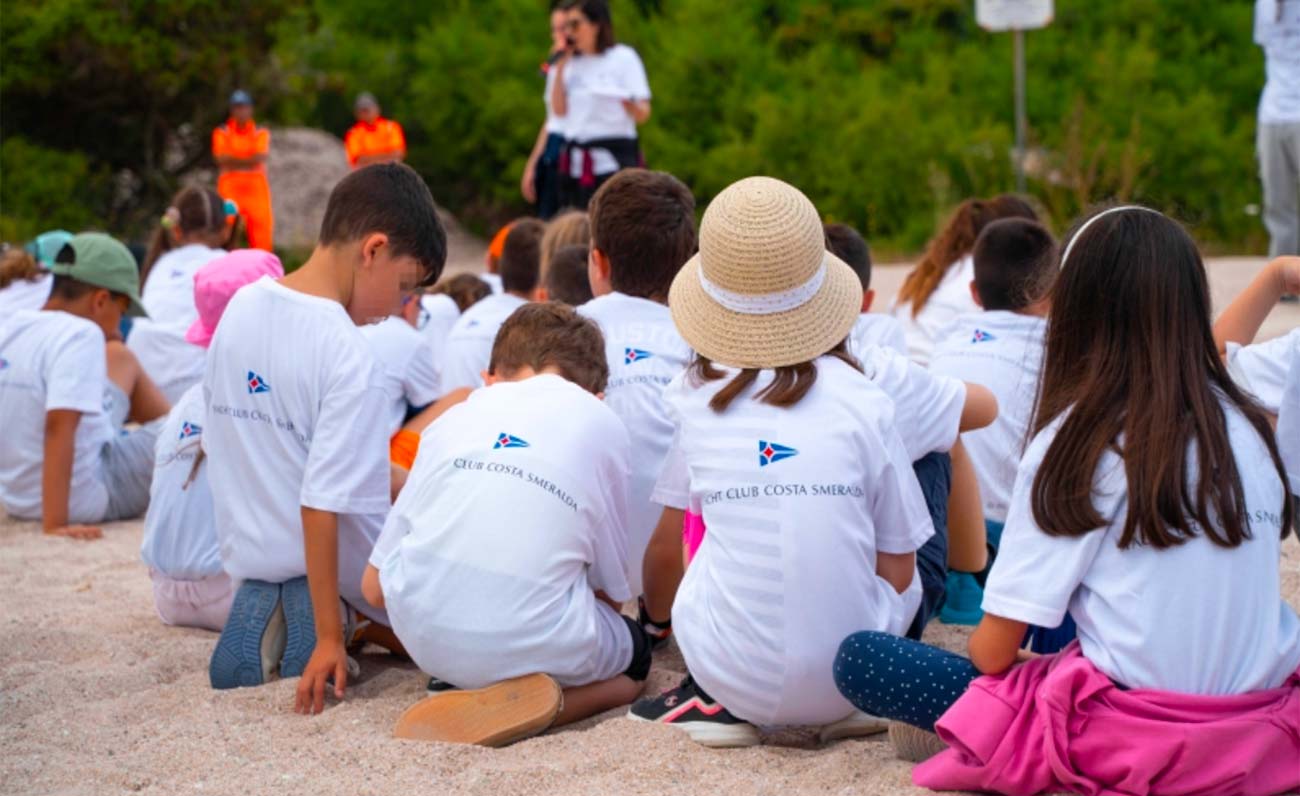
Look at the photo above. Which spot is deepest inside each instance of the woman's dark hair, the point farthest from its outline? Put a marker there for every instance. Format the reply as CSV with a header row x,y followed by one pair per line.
x,y
597,13
1132,367
955,241
194,210
464,289
788,387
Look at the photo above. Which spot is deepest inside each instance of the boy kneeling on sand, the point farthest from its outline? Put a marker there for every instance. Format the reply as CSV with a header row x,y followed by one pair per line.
x,y
504,560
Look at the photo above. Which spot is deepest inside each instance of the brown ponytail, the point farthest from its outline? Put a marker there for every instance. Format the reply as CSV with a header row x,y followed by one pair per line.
x,y
193,211
789,385
955,241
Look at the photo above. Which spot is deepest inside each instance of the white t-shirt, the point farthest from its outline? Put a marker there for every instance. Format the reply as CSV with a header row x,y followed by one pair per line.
x,y
1279,35
296,417
52,360
439,315
554,124
927,406
168,293
798,502
24,295
512,517
407,369
1003,351
877,329
950,299
469,344
1288,420
494,281
171,361
595,87
645,352
180,534
1261,368
1195,618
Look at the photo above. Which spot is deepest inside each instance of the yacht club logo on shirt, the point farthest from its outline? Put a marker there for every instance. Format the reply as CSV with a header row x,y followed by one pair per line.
x,y
190,430
631,355
257,384
771,453
505,440
981,336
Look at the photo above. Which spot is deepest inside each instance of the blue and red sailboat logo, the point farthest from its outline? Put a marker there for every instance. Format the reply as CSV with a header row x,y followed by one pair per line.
x,y
257,384
771,453
631,355
505,440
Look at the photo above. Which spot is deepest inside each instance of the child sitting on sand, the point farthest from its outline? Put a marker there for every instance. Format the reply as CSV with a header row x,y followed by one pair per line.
x,y
297,431
1000,347
67,387
1150,505
937,290
504,561
190,587
879,329
790,455
643,232
469,343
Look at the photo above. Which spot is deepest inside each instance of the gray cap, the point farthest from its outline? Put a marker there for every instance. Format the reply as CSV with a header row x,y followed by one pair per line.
x,y
240,97
365,100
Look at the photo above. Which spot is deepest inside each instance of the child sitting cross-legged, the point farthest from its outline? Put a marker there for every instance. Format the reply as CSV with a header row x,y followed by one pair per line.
x,y
790,454
504,559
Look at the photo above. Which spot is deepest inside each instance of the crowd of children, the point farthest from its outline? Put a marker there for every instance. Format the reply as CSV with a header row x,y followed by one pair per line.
x,y
654,431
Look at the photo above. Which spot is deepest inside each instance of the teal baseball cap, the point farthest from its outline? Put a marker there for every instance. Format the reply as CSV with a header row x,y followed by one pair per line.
x,y
45,246
97,259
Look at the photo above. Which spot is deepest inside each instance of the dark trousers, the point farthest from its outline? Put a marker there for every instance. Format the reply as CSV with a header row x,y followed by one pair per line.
x,y
900,679
546,178
934,473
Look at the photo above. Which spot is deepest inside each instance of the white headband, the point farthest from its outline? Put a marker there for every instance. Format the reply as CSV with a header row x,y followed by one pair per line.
x,y
1088,223
765,303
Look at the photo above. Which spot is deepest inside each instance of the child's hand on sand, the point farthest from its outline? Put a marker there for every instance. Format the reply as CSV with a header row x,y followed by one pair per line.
x,y
83,532
329,659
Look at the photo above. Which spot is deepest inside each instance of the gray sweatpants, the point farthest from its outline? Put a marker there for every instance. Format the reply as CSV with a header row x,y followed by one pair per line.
x,y
126,461
1279,170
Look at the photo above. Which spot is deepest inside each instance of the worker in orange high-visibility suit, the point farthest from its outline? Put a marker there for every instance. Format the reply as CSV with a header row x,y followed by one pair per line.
x,y
373,139
240,148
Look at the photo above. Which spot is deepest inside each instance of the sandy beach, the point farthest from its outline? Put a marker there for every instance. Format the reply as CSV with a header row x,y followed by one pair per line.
x,y
98,697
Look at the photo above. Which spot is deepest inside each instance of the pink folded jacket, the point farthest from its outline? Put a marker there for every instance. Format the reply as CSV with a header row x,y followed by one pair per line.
x,y
1056,723
692,534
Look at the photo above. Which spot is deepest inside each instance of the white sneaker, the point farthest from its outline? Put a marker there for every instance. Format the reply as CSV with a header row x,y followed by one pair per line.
x,y
855,725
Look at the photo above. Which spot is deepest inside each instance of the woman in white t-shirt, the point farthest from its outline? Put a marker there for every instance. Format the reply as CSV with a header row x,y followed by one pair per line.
x,y
937,290
1150,505
540,183
601,94
790,454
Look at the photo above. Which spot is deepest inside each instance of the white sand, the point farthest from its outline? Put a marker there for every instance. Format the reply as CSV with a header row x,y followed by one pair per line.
x,y
98,697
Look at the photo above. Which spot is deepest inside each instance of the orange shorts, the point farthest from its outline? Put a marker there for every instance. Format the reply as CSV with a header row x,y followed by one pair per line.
x,y
402,449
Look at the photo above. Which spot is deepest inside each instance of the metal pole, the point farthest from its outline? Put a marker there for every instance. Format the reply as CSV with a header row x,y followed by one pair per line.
x,y
1021,123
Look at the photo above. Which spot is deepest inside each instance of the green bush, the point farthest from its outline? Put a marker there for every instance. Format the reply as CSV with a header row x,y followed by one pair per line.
x,y
43,189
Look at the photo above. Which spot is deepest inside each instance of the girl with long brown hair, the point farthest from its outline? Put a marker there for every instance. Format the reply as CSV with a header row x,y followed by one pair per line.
x,y
937,290
1151,505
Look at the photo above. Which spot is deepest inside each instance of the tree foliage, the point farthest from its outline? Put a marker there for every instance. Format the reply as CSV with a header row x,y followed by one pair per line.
x,y
886,112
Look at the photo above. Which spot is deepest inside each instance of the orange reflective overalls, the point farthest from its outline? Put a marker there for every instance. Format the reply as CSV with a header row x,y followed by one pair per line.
x,y
248,188
378,138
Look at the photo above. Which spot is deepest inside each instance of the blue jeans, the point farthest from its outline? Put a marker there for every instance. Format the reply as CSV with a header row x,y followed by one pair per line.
x,y
934,473
900,679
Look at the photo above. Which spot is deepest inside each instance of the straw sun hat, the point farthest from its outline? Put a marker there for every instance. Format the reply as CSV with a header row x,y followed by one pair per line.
x,y
763,292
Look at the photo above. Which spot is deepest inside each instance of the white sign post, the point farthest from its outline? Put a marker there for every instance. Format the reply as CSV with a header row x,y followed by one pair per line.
x,y
1017,16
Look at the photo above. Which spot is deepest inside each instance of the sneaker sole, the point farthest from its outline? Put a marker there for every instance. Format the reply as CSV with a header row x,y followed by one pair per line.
x,y
248,651
714,736
498,715
914,744
300,627
859,725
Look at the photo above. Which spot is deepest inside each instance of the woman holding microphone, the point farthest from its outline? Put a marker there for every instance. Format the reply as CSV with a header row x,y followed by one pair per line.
x,y
601,93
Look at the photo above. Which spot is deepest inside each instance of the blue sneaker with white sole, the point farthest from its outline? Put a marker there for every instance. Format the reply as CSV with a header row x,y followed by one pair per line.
x,y
252,643
300,627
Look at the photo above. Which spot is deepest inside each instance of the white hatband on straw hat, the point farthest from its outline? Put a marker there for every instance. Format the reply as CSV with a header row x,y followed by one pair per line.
x,y
763,292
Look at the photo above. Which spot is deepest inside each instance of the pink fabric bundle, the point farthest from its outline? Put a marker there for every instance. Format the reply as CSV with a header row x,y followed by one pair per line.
x,y
1057,723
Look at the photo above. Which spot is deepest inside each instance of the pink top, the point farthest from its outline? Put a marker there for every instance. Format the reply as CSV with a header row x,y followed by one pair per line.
x,y
1057,723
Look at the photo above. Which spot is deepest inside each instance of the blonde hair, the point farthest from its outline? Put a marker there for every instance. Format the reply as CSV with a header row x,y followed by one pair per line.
x,y
572,228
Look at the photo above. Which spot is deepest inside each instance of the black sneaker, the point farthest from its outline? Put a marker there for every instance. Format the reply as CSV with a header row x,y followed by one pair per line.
x,y
689,709
1290,298
437,686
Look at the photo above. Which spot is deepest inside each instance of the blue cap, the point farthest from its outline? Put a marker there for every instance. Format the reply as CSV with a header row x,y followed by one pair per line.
x,y
45,247
240,97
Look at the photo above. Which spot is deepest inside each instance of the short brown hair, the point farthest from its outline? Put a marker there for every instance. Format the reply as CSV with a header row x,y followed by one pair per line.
x,y
521,257
570,228
567,279
464,289
550,334
644,222
392,199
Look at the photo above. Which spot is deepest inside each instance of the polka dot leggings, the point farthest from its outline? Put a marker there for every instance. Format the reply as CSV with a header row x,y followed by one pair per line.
x,y
899,679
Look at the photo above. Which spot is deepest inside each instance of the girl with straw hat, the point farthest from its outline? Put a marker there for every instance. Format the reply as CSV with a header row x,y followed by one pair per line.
x,y
790,454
